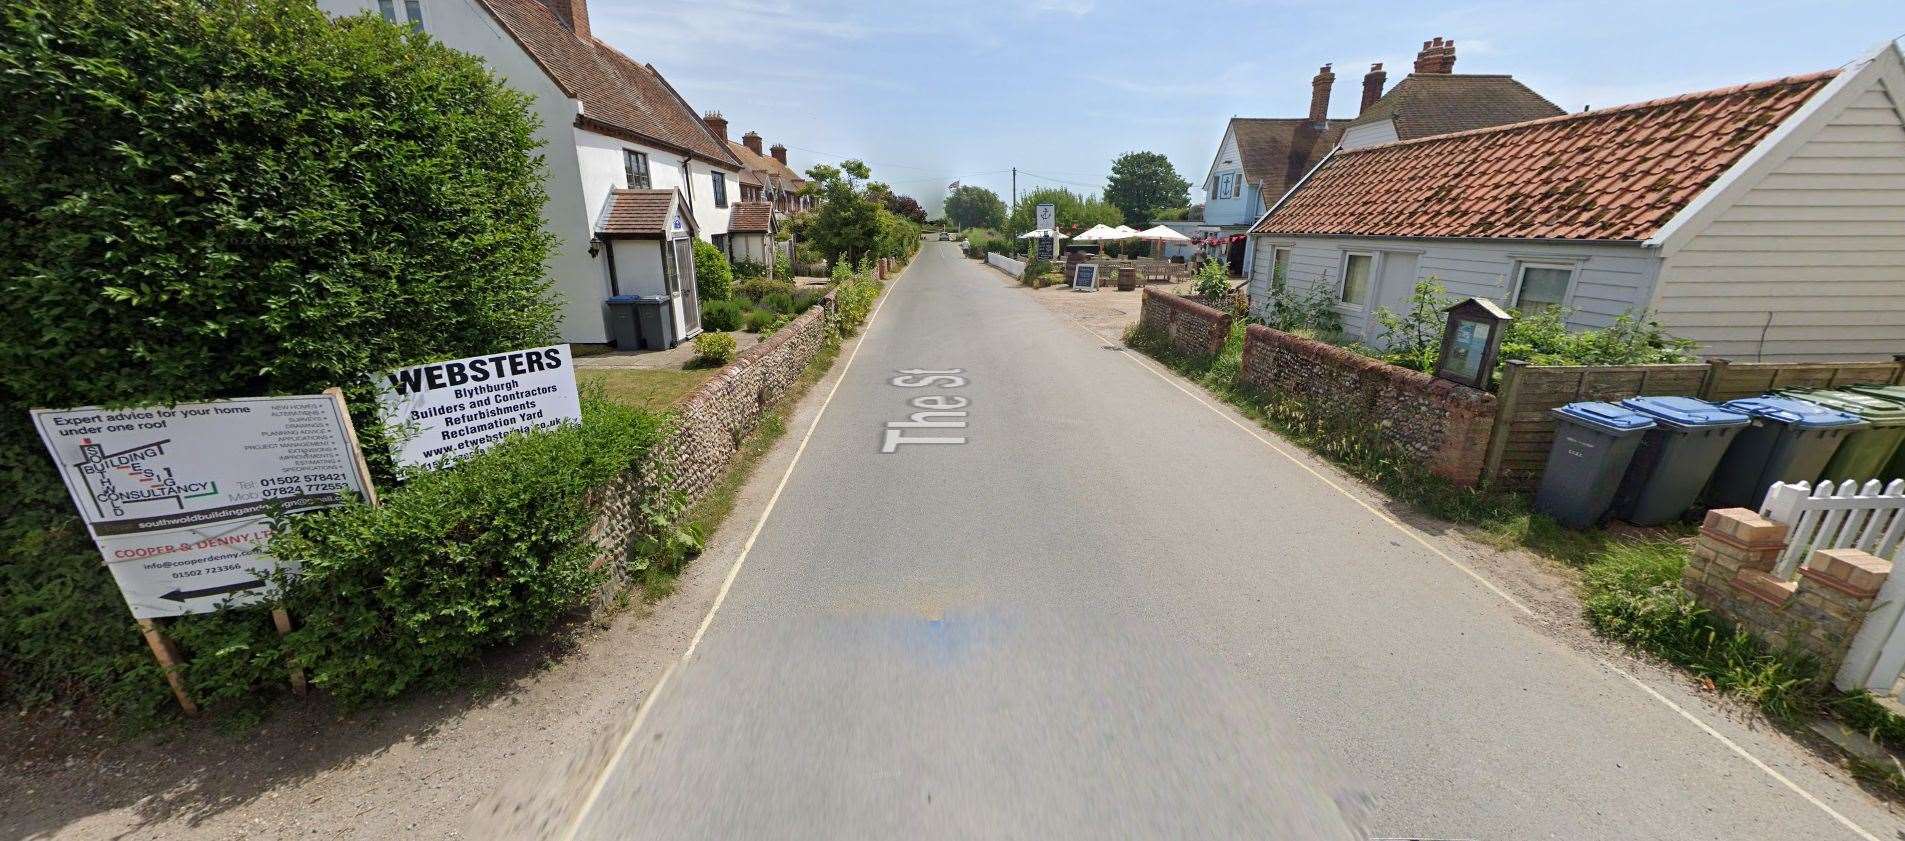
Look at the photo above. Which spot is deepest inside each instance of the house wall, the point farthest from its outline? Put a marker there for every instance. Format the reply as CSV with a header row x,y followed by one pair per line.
x,y
1369,134
638,266
1809,264
601,168
1610,278
752,247
580,281
1243,209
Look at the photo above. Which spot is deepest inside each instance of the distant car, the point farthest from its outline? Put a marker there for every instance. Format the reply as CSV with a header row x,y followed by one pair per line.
x,y
945,237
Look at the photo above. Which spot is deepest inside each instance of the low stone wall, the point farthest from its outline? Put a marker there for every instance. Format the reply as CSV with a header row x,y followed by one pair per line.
x,y
1818,613
1015,268
1442,425
1192,328
706,433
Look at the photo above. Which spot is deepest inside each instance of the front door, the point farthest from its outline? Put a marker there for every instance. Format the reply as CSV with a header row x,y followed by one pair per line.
x,y
688,291
1393,288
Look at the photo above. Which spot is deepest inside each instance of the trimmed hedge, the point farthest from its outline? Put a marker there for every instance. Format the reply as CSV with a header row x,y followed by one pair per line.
x,y
217,199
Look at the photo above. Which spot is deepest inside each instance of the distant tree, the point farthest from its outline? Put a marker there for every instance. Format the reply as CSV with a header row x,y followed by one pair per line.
x,y
1074,211
975,207
906,207
847,223
1143,183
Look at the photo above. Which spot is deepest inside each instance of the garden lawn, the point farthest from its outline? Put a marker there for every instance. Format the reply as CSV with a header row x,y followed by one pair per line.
x,y
654,389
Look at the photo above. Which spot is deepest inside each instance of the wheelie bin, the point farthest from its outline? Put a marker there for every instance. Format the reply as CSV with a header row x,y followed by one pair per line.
x,y
1593,443
1864,454
1788,441
1895,393
1675,458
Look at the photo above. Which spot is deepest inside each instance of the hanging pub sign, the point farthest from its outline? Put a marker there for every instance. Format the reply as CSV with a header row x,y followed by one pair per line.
x,y
179,498
1047,217
443,411
1470,342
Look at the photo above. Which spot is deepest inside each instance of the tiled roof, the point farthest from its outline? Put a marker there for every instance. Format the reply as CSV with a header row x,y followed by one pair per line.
x,y
750,217
1276,152
637,213
1615,174
766,165
617,92
1425,104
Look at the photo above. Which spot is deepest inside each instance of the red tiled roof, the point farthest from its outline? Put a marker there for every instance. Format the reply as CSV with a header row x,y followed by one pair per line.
x,y
1425,104
1275,152
618,93
751,217
1615,174
766,165
637,213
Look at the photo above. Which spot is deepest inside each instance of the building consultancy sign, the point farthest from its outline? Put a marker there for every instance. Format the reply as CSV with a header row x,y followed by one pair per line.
x,y
179,498
444,411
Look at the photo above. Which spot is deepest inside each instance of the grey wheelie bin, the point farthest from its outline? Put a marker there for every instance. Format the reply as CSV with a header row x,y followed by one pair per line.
x,y
1593,443
1895,393
1788,441
1864,454
1676,457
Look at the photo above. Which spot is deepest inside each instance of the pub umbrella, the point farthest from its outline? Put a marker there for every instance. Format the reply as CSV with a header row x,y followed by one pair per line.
x,y
1163,236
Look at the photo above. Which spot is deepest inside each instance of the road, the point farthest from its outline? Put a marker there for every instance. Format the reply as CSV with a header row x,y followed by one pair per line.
x,y
1115,612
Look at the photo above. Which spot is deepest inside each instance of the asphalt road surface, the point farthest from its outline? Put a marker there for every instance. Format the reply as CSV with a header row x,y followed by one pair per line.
x,y
1112,612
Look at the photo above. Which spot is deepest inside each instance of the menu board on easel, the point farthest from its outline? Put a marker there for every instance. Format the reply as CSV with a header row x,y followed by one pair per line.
x,y
1085,277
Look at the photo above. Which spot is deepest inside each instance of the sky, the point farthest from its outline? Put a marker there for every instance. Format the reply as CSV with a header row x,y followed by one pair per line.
x,y
932,93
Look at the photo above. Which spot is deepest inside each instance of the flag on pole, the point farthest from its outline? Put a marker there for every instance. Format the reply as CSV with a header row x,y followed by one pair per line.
x,y
953,186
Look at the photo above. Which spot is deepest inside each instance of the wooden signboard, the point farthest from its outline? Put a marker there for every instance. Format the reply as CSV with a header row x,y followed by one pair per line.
x,y
1085,278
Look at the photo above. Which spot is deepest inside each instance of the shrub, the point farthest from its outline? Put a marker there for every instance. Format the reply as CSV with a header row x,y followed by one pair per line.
x,y
722,316
1212,283
781,302
1415,335
1311,313
714,348
1543,338
759,320
1035,271
757,288
783,267
200,204
713,276
805,300
853,304
748,270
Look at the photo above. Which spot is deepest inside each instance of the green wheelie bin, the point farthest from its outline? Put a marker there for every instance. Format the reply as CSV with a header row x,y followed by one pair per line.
x,y
1865,454
1895,393
1789,441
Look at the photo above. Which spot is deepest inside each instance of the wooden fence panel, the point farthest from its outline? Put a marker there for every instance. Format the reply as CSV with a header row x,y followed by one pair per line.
x,y
1523,430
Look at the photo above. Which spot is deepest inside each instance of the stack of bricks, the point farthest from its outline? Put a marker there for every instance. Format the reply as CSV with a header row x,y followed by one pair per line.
x,y
1731,573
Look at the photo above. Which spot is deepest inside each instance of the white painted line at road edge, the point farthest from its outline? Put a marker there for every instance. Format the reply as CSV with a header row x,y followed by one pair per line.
x,y
615,759
1655,694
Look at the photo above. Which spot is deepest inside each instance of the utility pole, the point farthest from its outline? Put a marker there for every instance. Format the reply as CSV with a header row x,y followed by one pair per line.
x,y
1015,191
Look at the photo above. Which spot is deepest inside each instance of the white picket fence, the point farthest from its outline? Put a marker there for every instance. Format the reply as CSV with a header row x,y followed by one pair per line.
x,y
1852,516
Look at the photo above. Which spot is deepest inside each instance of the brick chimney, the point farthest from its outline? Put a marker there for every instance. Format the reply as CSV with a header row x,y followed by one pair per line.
x,y
752,141
717,124
1320,95
1437,56
573,13
779,152
1372,86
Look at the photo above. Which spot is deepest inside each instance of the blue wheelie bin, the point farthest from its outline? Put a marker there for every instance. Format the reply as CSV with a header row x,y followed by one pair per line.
x,y
1593,443
1788,441
1676,457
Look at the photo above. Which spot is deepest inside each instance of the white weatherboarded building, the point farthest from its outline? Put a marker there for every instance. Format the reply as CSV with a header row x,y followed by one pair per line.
x,y
1764,221
609,123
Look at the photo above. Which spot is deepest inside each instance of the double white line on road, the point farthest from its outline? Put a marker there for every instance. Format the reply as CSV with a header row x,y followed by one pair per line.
x,y
1731,745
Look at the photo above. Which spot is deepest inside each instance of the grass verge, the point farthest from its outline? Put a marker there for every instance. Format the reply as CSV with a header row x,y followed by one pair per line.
x,y
654,389
1630,588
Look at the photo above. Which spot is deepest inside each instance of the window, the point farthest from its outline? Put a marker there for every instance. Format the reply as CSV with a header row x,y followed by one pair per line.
x,y
1225,183
1280,263
635,167
414,10
1540,287
720,189
670,271
1356,270
388,8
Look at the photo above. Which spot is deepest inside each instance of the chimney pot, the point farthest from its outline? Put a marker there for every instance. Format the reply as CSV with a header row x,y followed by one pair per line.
x,y
752,141
1372,86
573,14
779,152
1320,95
717,124
1437,56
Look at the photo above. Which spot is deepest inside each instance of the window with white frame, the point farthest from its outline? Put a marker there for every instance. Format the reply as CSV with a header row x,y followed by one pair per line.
x,y
635,167
1357,270
1541,286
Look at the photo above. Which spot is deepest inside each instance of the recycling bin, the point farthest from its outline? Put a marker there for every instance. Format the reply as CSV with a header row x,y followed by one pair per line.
x,y
1593,443
1864,454
1895,393
625,329
1675,458
1788,441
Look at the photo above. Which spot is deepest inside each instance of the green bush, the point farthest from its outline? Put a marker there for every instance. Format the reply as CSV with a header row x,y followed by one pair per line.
x,y
780,302
1036,271
760,320
1543,338
757,288
713,276
722,316
748,270
783,267
1211,283
207,200
1415,335
1311,313
714,348
853,304
805,300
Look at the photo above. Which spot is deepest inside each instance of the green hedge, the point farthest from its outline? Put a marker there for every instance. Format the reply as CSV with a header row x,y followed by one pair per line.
x,y
216,199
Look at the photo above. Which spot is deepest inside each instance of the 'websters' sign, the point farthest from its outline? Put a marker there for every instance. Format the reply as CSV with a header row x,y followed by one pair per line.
x,y
447,410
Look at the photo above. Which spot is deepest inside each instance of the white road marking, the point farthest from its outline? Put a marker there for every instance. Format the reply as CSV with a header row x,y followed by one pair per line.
x,y
1651,692
615,759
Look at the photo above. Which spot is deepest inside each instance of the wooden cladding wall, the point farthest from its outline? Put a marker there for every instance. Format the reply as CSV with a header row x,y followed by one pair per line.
x,y
1518,442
